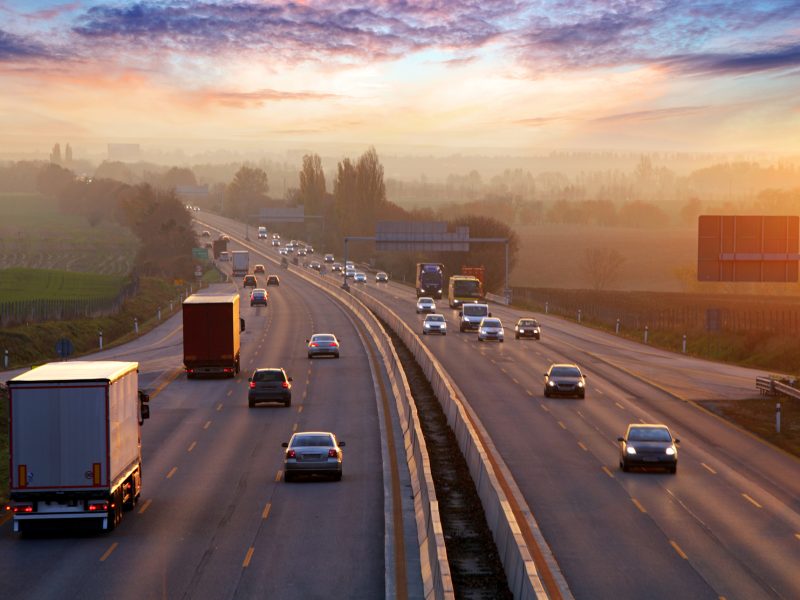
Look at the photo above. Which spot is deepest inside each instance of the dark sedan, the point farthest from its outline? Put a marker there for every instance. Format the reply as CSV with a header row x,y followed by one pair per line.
x,y
527,328
564,380
259,297
649,446
269,385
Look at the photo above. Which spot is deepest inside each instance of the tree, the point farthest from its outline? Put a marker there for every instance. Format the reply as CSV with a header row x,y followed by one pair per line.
x,y
55,155
370,191
53,179
602,266
177,176
312,184
691,210
68,154
345,189
247,192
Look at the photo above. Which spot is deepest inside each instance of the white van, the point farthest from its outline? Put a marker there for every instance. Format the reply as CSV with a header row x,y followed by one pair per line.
x,y
471,314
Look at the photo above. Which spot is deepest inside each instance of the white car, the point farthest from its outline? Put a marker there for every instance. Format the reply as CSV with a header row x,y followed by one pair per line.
x,y
276,242
381,277
349,273
491,328
360,277
224,256
426,305
434,323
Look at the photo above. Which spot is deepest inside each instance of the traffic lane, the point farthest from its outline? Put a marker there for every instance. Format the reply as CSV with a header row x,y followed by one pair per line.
x,y
602,546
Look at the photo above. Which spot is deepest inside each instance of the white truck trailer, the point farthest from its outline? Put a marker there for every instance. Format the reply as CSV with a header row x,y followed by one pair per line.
x,y
240,263
75,442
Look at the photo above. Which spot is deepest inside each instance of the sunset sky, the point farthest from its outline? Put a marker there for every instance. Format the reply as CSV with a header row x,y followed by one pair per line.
x,y
459,76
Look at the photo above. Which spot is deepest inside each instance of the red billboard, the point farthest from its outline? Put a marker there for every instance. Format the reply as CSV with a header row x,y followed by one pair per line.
x,y
748,248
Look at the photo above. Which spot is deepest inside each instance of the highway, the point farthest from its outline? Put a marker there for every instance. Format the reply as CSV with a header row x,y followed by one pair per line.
x,y
216,519
727,525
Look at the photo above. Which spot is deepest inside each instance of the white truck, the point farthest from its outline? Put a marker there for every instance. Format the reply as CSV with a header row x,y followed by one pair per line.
x,y
262,233
75,442
471,314
240,262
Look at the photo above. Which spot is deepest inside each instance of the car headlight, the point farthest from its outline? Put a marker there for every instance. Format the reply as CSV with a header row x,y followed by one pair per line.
x,y
580,384
671,451
426,325
535,331
551,383
630,450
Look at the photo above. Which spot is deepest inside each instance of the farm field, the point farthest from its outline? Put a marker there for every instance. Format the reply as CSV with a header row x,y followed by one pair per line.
x,y
18,284
34,233
551,256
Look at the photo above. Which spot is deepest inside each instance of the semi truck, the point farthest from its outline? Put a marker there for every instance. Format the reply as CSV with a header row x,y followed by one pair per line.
x,y
211,328
463,289
430,280
240,262
219,246
75,443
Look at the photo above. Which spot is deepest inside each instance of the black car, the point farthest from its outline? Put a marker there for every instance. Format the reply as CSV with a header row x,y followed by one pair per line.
x,y
259,297
527,328
564,380
269,385
273,280
649,446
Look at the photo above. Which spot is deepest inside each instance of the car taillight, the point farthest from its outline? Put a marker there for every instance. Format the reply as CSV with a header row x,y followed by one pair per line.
x,y
291,454
98,505
285,385
22,508
332,453
252,385
335,344
227,370
314,344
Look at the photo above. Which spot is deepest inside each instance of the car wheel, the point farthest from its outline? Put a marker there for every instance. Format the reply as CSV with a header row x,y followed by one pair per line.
x,y
444,333
310,357
624,466
250,403
337,476
516,337
288,402
501,341
673,469
582,396
424,332
288,477
546,393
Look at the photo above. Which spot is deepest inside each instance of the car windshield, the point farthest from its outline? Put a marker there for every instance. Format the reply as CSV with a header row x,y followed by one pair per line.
x,y
528,323
268,375
312,440
475,310
437,318
491,323
565,372
649,434
258,294
426,300
323,338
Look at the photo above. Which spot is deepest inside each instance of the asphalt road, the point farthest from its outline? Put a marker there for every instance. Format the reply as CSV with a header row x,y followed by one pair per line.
x,y
216,519
727,525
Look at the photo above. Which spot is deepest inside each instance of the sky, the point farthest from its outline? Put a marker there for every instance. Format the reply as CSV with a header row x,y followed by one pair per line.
x,y
460,76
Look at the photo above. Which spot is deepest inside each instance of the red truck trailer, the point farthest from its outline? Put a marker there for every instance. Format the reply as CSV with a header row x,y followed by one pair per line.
x,y
211,328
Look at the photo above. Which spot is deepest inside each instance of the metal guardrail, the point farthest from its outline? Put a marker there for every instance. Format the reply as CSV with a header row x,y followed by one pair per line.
x,y
769,386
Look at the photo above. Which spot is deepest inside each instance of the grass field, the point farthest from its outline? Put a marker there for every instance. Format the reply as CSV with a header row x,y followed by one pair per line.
x,y
20,284
34,233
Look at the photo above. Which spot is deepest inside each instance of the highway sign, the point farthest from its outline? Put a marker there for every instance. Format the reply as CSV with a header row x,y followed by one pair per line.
x,y
420,236
748,248
200,253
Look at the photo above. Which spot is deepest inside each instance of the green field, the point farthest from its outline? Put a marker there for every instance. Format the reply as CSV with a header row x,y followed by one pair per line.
x,y
19,284
35,233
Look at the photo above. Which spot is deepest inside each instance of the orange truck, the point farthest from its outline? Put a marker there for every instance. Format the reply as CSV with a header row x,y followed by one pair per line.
x,y
477,272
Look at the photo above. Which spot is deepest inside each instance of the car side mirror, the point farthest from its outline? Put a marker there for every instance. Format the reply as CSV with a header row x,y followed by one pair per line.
x,y
341,444
306,341
490,314
677,441
545,374
620,439
460,314
241,324
586,377
290,379
285,445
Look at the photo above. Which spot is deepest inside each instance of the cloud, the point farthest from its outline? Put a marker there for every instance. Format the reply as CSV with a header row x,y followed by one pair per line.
x,y
784,57
259,97
537,121
652,115
15,48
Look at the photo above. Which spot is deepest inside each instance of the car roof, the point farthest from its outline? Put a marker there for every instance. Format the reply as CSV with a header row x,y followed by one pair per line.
x,y
564,365
262,369
316,334
259,291
647,426
429,315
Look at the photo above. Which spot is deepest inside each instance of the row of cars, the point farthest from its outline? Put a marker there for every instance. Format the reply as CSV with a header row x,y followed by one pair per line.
x,y
488,327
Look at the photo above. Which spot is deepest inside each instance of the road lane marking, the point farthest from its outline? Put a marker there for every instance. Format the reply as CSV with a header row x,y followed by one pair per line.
x,y
207,425
562,425
294,427
279,475
608,472
191,446
247,558
797,535
619,406
171,472
544,407
751,501
299,409
599,391
305,394
109,551
145,506
230,392
514,379
494,362
503,370
267,508
583,446
680,552
638,505
530,393
712,471
219,407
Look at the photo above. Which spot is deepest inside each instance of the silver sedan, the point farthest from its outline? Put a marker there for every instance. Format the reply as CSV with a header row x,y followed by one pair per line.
x,y
312,453
323,344
434,323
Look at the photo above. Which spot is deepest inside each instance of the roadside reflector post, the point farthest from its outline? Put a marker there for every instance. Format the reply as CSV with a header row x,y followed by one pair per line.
x,y
170,306
683,347
646,332
616,327
159,313
778,417
100,338
546,307
5,359
136,325
579,315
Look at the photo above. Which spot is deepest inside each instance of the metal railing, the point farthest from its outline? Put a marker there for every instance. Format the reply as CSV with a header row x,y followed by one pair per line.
x,y
770,386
